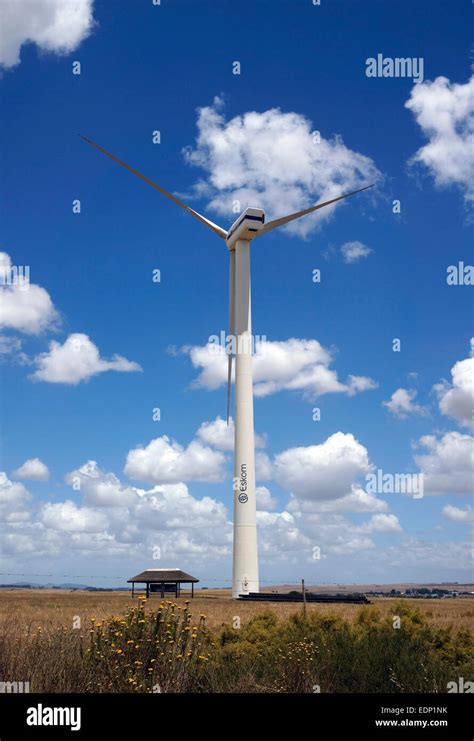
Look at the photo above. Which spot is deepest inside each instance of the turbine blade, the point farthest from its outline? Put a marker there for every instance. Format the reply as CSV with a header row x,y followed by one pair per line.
x,y
231,325
215,228
286,219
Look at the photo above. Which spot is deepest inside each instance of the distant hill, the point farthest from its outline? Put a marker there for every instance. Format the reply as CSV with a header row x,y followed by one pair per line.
x,y
315,588
64,585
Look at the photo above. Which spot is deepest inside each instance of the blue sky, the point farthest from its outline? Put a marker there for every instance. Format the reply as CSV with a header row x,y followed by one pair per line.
x,y
383,276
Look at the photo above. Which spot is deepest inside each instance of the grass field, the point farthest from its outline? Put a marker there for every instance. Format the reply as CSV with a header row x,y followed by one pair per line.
x,y
49,609
74,641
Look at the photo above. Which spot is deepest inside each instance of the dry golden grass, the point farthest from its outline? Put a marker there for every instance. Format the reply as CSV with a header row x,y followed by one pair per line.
x,y
73,641
49,609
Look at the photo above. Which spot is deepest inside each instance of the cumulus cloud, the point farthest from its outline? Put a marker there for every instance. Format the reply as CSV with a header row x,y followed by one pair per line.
x,y
293,365
273,160
53,25
101,489
354,251
332,535
401,403
166,522
14,500
24,306
69,517
357,500
445,113
78,359
457,514
219,434
166,461
171,507
132,511
112,518
324,471
382,523
263,466
448,464
456,399
265,501
33,469
280,538
328,535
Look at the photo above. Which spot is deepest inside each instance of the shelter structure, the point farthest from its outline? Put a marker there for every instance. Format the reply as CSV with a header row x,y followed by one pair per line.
x,y
164,581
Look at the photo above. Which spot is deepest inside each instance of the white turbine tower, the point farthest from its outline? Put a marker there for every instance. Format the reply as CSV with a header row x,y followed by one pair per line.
x,y
249,225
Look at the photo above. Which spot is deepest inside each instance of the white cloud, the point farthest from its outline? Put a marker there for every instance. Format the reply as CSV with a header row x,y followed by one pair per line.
x,y
112,519
219,434
14,499
445,113
101,489
171,507
265,501
294,365
382,523
77,360
450,558
346,544
24,306
137,514
69,517
354,251
330,534
333,535
401,403
54,25
280,539
263,466
11,351
457,514
448,465
9,345
324,471
165,461
457,399
33,469
273,161
358,500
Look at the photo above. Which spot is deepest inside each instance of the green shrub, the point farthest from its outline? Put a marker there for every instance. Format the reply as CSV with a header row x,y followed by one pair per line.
x,y
169,651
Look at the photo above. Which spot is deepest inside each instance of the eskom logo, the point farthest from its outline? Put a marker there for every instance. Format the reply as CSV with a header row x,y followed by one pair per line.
x,y
45,716
243,484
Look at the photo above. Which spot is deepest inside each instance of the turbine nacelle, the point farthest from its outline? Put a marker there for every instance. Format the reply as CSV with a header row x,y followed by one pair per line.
x,y
247,226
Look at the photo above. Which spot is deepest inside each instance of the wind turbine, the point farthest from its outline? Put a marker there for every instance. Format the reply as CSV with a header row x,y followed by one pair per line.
x,y
249,225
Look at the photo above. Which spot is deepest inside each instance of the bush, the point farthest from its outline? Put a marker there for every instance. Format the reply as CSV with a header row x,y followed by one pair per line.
x,y
143,652
169,651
